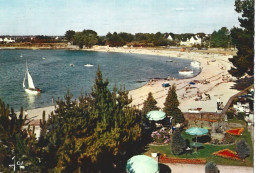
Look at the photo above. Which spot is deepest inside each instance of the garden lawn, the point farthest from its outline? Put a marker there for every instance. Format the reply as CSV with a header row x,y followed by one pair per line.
x,y
208,150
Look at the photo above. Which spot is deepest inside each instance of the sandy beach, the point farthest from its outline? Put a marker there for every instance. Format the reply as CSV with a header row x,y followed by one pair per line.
x,y
214,80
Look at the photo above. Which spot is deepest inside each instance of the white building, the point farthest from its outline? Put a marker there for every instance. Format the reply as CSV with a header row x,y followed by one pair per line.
x,y
169,38
194,40
8,40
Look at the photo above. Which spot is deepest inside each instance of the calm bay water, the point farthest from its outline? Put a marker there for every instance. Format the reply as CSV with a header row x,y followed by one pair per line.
x,y
54,74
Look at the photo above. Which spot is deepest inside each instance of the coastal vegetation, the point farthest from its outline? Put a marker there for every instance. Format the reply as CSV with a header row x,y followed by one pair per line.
x,y
98,132
243,38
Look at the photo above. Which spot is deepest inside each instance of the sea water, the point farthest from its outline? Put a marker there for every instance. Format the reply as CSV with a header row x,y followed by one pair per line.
x,y
52,73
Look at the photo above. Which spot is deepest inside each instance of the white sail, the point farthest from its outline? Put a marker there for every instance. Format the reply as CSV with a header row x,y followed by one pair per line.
x,y
24,81
30,81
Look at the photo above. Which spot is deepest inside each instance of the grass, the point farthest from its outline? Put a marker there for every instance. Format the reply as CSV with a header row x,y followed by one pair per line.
x,y
235,120
208,150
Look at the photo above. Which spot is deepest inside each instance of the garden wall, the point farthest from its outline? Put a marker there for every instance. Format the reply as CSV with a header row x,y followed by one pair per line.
x,y
203,116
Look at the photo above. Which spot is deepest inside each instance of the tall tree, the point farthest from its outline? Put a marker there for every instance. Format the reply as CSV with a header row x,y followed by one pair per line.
x,y
243,38
171,106
86,38
93,135
149,104
220,38
69,35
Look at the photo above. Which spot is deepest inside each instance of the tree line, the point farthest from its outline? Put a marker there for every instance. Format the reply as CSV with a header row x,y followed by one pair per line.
x,y
88,38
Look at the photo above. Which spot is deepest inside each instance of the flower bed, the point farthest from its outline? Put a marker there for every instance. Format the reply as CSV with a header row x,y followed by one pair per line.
x,y
226,153
164,159
237,131
161,137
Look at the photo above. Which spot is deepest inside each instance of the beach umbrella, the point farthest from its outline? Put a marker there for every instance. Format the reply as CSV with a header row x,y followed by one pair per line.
x,y
156,115
197,132
142,164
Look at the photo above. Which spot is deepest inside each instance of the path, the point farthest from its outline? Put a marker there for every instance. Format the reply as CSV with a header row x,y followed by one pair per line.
x,y
193,168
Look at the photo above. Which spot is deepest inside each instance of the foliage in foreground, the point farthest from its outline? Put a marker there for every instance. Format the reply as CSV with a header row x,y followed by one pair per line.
x,y
16,140
98,132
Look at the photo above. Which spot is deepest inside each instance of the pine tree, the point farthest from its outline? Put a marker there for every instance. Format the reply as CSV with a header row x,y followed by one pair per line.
x,y
149,104
178,143
171,106
243,38
16,140
243,149
94,134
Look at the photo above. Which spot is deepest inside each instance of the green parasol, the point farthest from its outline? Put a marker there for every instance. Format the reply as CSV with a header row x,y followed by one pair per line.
x,y
142,164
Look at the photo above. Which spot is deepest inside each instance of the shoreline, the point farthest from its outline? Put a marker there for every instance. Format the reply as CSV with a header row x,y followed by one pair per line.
x,y
213,69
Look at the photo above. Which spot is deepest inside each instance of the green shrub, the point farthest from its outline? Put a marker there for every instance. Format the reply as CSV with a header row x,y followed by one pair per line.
x,y
211,167
178,143
241,115
230,114
243,149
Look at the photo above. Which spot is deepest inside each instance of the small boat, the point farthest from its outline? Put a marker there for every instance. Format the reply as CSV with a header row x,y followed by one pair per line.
x,y
88,65
169,60
31,88
21,55
43,58
186,71
72,65
195,64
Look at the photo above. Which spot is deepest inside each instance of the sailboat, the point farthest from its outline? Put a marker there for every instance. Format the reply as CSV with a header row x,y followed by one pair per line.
x,y
31,88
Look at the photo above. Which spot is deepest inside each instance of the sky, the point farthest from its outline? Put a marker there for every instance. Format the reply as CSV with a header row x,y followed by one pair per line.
x,y
55,17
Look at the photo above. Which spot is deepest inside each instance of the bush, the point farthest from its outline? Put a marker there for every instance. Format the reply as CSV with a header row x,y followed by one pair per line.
x,y
243,149
161,137
241,115
211,167
178,143
230,114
